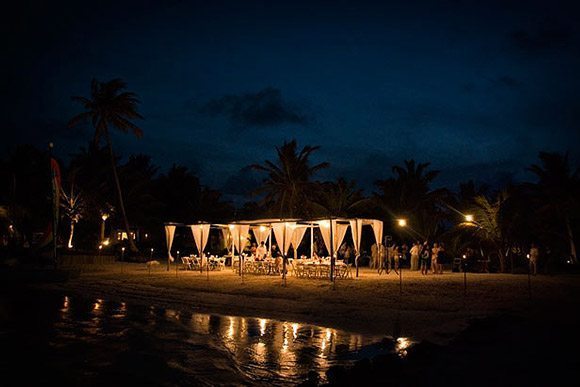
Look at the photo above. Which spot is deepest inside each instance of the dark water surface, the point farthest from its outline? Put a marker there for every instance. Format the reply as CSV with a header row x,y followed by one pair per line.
x,y
71,341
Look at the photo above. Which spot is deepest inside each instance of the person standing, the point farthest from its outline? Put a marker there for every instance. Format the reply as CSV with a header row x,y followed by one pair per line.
x,y
374,256
397,257
425,258
441,258
383,258
415,256
534,256
434,255
261,252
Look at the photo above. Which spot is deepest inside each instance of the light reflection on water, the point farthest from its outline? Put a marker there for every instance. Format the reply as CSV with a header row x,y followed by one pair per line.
x,y
198,347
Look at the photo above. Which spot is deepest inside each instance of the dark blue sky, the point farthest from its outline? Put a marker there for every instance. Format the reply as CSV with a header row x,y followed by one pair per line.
x,y
476,88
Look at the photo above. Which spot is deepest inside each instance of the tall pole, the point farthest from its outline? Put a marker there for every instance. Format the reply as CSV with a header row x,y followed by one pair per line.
x,y
529,279
270,241
207,263
464,275
55,202
311,240
284,254
331,254
201,252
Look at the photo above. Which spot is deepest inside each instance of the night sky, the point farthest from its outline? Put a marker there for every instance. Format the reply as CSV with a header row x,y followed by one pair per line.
x,y
476,88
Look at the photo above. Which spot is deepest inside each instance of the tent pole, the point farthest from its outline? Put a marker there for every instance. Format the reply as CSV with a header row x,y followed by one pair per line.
x,y
284,254
311,240
331,253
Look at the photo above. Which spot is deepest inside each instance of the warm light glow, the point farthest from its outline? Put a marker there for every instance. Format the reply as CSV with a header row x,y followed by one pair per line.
x,y
98,304
262,228
528,256
262,327
325,224
402,344
105,216
70,246
230,333
100,247
464,256
402,222
469,218
152,249
231,226
106,242
122,249
295,327
146,235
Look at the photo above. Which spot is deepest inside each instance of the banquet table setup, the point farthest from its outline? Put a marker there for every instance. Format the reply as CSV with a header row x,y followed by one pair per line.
x,y
193,262
319,268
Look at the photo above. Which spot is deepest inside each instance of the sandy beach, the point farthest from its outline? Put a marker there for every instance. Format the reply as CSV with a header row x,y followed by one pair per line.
x,y
432,307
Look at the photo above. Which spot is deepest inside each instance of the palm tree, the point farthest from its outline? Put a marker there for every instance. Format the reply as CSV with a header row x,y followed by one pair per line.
x,y
409,195
288,186
340,198
111,107
489,225
557,192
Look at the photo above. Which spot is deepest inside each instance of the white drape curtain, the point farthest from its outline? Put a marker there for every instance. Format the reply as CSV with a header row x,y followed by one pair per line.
x,y
261,233
324,226
378,231
200,236
338,232
283,232
169,234
339,235
239,234
356,230
297,236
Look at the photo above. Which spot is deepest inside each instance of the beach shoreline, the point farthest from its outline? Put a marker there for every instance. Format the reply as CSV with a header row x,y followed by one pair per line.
x,y
433,307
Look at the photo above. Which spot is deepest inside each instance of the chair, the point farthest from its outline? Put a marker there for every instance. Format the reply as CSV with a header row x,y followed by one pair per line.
x,y
186,263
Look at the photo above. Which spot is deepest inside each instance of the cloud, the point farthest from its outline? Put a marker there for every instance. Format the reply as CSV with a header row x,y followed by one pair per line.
x,y
541,39
264,108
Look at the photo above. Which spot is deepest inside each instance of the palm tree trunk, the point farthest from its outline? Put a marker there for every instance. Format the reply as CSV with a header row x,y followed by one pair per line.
x,y
70,237
573,255
132,245
501,261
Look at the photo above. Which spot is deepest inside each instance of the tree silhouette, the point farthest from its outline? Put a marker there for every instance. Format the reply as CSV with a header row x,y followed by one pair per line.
x,y
557,192
110,107
288,186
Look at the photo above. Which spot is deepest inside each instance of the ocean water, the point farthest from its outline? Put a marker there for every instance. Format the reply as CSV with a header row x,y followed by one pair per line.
x,y
49,338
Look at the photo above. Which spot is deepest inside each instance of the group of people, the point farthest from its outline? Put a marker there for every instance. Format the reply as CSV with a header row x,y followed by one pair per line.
x,y
423,257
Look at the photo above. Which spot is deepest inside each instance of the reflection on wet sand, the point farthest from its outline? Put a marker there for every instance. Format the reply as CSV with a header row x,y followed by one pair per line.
x,y
263,349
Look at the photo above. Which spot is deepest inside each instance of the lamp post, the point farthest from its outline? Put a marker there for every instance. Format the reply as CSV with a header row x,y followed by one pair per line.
x,y
469,218
122,257
529,278
150,260
464,264
402,223
104,217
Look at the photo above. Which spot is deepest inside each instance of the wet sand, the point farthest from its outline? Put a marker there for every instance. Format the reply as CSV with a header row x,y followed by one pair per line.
x,y
432,307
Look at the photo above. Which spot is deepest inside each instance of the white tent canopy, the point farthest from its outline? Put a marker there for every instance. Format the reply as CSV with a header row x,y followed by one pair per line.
x,y
288,232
